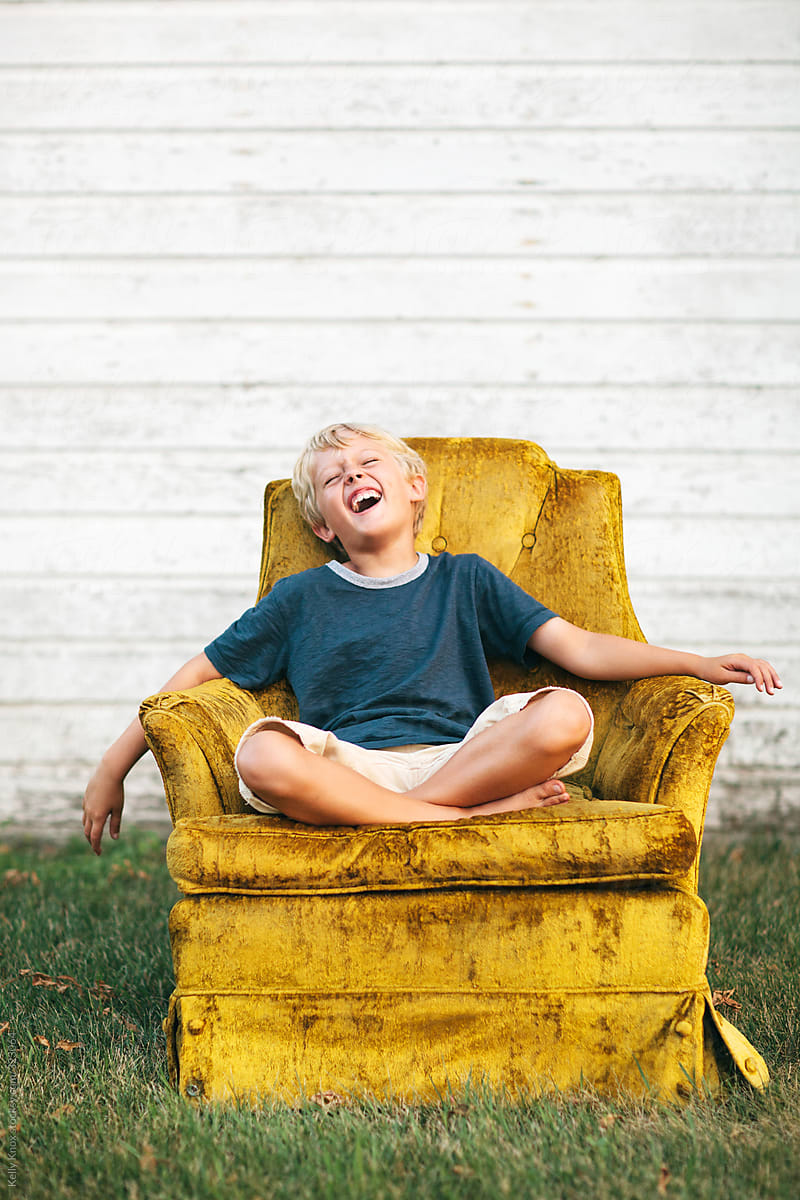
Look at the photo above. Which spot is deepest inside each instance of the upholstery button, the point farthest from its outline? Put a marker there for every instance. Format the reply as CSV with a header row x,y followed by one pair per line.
x,y
528,540
683,1028
438,544
196,1025
750,1066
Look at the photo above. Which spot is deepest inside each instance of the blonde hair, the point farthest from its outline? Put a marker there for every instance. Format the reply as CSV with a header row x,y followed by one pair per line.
x,y
333,437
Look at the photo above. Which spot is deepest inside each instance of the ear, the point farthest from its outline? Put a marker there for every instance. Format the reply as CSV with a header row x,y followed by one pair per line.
x,y
323,533
419,487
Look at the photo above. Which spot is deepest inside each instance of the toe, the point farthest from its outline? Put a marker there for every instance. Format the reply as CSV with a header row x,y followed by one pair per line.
x,y
551,792
557,793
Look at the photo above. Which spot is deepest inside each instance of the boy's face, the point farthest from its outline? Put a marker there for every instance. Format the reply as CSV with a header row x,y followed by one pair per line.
x,y
363,494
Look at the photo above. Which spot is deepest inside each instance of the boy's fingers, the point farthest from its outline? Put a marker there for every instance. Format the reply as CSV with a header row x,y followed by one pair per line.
x,y
768,676
96,835
754,675
758,672
772,675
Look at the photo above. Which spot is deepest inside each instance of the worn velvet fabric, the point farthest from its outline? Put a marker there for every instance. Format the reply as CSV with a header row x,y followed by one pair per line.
x,y
535,950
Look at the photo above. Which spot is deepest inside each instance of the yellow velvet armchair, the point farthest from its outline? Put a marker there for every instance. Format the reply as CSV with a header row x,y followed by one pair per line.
x,y
532,950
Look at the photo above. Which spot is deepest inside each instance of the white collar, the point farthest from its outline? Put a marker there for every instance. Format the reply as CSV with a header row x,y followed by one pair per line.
x,y
392,581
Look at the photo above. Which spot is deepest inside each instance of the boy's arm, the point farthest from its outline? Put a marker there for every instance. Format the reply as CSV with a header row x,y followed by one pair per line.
x,y
105,794
604,656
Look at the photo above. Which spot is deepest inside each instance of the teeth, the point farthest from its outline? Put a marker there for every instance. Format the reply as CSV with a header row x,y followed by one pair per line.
x,y
364,500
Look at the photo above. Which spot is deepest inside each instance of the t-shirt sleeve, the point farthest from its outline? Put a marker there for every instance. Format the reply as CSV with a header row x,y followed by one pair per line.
x,y
252,651
508,615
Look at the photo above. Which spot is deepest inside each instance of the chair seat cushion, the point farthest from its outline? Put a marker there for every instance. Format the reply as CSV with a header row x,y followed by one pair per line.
x,y
576,842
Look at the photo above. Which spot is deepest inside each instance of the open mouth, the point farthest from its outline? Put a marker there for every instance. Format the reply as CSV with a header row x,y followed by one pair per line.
x,y
361,501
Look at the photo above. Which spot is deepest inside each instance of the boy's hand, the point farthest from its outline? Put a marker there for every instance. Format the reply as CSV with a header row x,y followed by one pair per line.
x,y
105,793
104,797
740,668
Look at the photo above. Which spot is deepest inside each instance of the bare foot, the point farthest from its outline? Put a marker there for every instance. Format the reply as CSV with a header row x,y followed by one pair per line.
x,y
543,795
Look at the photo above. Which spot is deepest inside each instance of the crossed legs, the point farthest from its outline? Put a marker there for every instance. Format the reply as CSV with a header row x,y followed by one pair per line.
x,y
507,767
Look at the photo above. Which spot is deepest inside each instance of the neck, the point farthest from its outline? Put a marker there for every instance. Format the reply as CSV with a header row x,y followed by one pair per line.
x,y
384,562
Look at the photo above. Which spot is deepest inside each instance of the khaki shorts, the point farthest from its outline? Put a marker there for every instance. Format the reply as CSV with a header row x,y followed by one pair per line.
x,y
402,767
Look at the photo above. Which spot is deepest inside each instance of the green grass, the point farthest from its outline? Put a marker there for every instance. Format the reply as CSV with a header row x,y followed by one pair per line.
x,y
99,1119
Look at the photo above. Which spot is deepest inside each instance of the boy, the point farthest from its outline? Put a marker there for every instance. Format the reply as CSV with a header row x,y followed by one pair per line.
x,y
386,653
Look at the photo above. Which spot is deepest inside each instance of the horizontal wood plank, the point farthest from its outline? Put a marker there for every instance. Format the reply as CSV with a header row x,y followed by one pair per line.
x,y
45,799
435,96
657,547
704,483
421,31
393,161
768,738
742,797
154,612
576,424
736,612
59,734
92,673
403,289
98,672
291,352
417,224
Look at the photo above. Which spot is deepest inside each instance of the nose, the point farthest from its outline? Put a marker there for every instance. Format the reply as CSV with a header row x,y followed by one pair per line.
x,y
351,475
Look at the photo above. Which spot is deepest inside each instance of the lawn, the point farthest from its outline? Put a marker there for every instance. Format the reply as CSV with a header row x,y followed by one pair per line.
x,y
86,973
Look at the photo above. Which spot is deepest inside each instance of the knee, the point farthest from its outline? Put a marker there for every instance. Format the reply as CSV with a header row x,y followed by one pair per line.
x,y
267,763
564,723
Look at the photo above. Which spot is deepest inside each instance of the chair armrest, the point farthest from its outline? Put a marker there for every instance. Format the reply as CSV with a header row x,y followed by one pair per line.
x,y
662,745
193,735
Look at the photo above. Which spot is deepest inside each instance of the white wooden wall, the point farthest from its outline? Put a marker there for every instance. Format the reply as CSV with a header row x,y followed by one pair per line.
x,y
224,224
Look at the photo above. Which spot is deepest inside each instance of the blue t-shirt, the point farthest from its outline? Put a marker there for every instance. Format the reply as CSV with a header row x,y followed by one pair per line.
x,y
385,662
